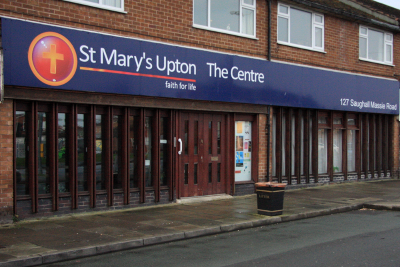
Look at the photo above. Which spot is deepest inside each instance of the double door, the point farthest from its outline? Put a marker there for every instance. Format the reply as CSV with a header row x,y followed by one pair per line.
x,y
201,152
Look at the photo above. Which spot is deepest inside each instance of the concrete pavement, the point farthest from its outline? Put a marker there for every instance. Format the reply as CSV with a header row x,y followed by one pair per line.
x,y
49,240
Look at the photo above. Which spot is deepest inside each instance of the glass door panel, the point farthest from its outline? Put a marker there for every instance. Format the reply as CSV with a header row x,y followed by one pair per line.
x,y
43,161
82,152
63,145
164,151
100,153
22,170
147,151
133,152
116,151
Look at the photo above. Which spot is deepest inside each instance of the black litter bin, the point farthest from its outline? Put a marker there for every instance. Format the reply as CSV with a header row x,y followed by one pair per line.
x,y
270,198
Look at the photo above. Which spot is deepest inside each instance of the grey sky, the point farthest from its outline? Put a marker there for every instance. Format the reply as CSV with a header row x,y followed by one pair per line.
x,y
393,3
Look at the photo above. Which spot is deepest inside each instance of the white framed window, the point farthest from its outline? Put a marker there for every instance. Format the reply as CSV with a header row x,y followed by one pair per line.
x,y
236,17
114,5
376,45
300,28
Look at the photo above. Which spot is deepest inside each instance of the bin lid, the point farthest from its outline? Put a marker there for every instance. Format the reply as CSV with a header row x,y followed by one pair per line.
x,y
270,184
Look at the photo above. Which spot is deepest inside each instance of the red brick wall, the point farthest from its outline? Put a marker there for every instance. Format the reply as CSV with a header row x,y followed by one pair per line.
x,y
262,148
341,47
171,22
263,139
165,21
342,53
6,159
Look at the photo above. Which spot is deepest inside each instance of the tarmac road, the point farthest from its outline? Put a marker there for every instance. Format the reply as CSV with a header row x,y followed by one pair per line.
x,y
357,238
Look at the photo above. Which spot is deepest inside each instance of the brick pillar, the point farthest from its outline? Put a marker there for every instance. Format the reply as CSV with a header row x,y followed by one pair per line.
x,y
262,148
271,116
6,161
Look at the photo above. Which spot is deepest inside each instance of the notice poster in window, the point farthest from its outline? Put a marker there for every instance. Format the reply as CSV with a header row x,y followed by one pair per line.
x,y
239,159
242,151
239,143
239,128
247,127
99,146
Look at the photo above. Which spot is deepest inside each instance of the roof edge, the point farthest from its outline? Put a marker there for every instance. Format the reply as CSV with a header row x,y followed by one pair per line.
x,y
369,11
388,23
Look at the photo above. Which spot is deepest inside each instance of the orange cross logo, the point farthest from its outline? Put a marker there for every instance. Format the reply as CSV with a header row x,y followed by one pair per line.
x,y
53,56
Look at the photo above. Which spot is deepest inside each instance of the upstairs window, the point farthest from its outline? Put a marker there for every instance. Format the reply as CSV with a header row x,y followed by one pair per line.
x,y
236,17
300,28
114,5
376,46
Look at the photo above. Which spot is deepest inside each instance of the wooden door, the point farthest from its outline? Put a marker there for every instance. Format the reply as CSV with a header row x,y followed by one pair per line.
x,y
202,166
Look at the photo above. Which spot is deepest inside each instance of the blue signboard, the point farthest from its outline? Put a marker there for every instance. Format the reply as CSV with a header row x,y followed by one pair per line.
x,y
45,56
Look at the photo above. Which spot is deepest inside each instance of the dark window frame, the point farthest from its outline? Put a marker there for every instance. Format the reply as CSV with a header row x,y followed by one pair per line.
x,y
31,110
373,155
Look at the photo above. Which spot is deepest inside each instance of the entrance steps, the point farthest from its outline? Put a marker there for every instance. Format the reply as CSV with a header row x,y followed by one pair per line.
x,y
188,200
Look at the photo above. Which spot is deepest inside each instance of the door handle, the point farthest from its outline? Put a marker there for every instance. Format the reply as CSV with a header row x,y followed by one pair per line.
x,y
180,146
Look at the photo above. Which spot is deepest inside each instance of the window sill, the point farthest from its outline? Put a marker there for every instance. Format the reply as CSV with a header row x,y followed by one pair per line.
x,y
377,62
223,31
48,195
24,197
64,194
118,191
134,189
339,127
323,126
119,10
245,182
302,47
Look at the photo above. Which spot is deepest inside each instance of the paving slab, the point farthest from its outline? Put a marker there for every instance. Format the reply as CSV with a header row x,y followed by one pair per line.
x,y
54,239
